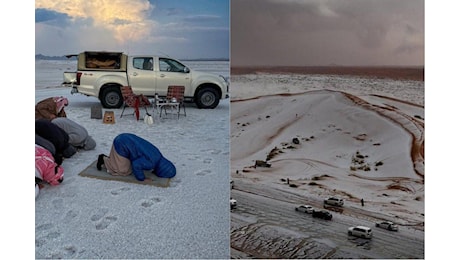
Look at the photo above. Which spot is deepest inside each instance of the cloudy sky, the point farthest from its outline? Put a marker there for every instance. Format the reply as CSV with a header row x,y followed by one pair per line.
x,y
325,32
180,28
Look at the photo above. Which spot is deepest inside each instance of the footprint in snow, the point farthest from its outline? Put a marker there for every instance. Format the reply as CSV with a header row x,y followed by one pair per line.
x,y
119,191
207,160
52,235
211,151
44,227
194,157
99,214
106,222
203,172
70,215
150,202
67,253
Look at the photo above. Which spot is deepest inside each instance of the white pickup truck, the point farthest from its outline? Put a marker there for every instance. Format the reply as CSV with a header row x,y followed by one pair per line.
x,y
101,74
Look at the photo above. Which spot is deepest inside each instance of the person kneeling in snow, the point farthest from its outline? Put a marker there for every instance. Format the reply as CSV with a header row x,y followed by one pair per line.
x,y
78,136
46,169
50,108
133,154
58,137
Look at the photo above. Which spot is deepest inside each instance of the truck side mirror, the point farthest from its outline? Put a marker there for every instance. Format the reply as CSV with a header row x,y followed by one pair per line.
x,y
186,70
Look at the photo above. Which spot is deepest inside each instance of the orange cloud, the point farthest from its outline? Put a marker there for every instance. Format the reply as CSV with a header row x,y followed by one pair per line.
x,y
126,19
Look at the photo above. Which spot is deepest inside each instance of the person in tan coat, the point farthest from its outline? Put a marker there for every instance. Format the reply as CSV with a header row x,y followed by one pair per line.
x,y
50,108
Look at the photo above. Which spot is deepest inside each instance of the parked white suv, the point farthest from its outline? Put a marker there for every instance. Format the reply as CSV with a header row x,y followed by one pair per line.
x,y
387,225
334,201
360,231
305,208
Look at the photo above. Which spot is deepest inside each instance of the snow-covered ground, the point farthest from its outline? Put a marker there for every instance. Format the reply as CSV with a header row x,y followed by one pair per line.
x,y
357,138
90,218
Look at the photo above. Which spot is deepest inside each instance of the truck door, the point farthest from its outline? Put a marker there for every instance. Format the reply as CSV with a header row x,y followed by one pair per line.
x,y
141,76
172,72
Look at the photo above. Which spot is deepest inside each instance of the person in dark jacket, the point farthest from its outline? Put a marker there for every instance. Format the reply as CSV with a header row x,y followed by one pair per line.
x,y
133,154
58,137
45,144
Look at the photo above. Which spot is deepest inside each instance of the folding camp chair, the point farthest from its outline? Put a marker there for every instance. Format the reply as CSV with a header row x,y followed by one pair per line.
x,y
174,100
132,100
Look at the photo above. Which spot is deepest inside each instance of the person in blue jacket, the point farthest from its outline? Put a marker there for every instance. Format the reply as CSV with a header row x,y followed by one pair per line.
x,y
133,154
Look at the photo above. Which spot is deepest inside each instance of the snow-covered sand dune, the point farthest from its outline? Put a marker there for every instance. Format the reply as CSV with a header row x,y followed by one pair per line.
x,y
355,144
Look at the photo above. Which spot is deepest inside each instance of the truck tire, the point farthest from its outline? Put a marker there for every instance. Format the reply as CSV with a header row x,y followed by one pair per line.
x,y
207,98
111,97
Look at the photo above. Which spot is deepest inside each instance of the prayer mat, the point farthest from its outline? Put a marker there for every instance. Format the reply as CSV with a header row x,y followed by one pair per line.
x,y
92,172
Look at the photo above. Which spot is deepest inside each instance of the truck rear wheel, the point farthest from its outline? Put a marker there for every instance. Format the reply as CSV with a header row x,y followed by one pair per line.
x,y
207,98
111,97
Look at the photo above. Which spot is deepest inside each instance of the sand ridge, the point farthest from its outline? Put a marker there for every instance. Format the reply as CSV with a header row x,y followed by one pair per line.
x,y
332,126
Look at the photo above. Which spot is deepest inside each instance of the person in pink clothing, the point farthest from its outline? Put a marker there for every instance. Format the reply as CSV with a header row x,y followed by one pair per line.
x,y
46,169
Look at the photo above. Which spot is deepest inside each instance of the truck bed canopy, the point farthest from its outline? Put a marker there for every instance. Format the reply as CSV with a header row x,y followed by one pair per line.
x,y
94,60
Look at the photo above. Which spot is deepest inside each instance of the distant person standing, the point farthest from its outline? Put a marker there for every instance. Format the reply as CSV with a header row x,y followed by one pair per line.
x,y
50,108
133,154
362,202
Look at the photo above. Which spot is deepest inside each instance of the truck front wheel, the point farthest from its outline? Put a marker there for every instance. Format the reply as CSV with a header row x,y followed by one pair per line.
x,y
207,98
111,97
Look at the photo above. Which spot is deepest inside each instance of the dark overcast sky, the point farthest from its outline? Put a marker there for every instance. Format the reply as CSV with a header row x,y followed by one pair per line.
x,y
326,32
